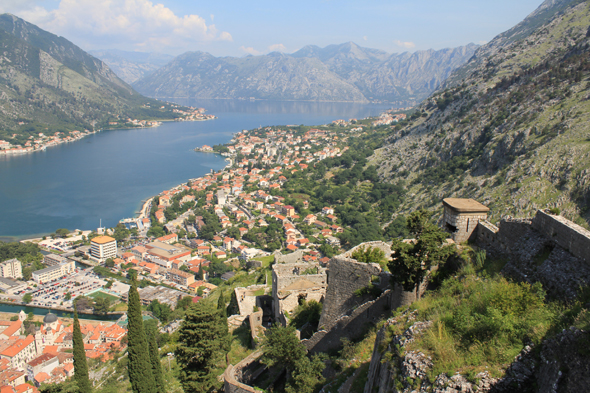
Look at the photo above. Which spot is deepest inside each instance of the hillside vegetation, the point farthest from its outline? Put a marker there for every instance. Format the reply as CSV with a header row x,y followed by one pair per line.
x,y
48,84
513,132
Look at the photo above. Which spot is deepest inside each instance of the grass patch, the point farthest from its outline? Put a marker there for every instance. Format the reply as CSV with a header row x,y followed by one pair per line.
x,y
101,294
481,323
119,307
240,345
358,385
266,261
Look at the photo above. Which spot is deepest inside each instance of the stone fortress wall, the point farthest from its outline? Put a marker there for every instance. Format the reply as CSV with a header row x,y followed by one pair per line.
x,y
237,377
548,248
565,233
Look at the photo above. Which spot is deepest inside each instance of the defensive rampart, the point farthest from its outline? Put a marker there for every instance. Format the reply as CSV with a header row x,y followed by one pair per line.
x,y
352,325
236,377
565,233
549,249
345,277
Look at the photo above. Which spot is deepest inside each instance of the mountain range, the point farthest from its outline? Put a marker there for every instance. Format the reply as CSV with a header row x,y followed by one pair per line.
x,y
132,66
345,72
49,84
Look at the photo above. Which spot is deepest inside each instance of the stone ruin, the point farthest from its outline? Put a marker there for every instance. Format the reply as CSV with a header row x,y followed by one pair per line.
x,y
294,282
547,248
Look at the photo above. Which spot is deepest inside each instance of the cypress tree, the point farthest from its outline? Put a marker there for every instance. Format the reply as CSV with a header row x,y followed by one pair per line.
x,y
140,367
152,332
203,343
221,304
80,366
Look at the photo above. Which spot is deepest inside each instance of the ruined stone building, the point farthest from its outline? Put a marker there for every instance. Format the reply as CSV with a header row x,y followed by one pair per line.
x,y
294,282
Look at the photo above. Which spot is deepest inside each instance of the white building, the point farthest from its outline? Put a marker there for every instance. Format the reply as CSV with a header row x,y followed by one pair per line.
x,y
53,259
103,247
54,272
11,268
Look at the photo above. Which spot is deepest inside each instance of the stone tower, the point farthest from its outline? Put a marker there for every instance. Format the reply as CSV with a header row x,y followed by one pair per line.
x,y
461,217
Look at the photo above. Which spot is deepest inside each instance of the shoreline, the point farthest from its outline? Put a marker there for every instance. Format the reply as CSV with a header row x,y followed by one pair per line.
x,y
28,149
5,316
59,309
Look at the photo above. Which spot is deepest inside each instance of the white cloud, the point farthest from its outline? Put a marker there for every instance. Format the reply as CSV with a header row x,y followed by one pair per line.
x,y
140,23
407,45
277,48
365,38
250,50
482,42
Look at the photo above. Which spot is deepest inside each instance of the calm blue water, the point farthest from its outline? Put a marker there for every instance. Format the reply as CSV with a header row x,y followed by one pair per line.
x,y
107,175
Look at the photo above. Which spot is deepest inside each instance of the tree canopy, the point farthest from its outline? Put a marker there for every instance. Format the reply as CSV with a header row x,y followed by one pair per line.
x,y
412,261
203,343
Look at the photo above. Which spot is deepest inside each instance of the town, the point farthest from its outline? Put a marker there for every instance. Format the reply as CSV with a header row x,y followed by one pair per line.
x,y
186,241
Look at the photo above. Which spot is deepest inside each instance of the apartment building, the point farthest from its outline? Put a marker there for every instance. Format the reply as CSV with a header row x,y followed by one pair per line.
x,y
103,247
11,268
54,272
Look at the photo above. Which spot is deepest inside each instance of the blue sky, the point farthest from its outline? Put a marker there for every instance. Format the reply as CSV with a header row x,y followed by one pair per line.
x,y
237,28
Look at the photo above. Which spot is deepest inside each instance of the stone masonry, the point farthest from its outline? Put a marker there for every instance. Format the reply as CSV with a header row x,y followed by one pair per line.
x,y
568,235
292,283
461,217
345,276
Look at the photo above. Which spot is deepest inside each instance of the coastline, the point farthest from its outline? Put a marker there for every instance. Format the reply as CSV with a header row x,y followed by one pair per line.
x,y
19,151
59,309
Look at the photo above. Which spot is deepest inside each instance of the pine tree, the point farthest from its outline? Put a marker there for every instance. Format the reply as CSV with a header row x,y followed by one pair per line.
x,y
152,332
140,367
80,366
202,345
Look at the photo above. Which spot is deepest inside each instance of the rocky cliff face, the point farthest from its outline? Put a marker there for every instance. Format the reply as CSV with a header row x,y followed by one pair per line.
x,y
132,66
344,72
511,129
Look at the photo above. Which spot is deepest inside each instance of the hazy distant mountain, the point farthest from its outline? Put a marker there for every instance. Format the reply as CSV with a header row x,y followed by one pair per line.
x,y
48,84
274,76
345,72
131,66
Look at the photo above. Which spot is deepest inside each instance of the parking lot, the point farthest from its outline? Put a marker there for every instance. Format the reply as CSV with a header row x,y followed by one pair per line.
x,y
54,293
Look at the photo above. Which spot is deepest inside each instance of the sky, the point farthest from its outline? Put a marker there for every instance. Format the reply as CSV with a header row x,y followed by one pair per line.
x,y
239,28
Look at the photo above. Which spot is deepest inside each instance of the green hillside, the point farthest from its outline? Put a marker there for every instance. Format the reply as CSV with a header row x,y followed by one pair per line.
x,y
48,84
513,132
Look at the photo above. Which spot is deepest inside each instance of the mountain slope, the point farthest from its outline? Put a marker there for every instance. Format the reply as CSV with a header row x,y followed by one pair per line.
x,y
513,132
345,72
49,84
132,66
274,76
